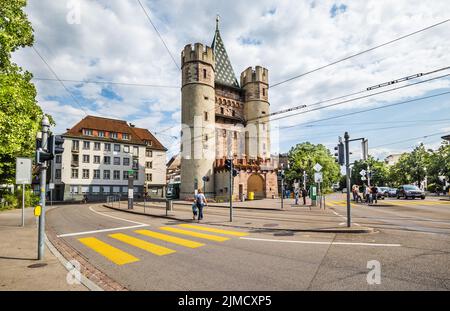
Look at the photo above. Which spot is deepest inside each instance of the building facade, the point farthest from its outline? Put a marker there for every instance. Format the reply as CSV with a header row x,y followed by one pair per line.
x,y
100,153
224,119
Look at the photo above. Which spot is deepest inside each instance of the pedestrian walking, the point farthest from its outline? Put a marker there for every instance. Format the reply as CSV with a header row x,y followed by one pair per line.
x,y
374,191
358,195
354,193
296,193
367,194
304,195
194,209
200,200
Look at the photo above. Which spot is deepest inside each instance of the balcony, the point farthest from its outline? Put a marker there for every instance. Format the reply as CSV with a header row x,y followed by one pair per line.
x,y
75,163
75,149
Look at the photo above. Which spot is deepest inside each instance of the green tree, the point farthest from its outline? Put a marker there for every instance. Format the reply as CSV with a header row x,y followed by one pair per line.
x,y
380,172
411,167
304,156
438,165
20,114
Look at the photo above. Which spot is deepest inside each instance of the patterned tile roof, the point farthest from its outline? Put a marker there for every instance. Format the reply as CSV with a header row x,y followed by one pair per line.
x,y
224,71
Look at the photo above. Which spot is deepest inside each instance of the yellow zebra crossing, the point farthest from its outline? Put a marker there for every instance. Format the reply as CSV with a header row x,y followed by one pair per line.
x,y
120,257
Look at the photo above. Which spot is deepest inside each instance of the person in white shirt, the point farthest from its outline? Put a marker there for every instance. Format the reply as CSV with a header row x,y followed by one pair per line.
x,y
200,200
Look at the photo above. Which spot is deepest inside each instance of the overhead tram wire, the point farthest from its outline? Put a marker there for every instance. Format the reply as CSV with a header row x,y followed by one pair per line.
x,y
360,53
410,139
159,35
108,82
367,110
377,122
357,98
60,81
410,77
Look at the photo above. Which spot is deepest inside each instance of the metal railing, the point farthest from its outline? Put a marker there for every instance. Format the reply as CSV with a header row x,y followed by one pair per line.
x,y
113,199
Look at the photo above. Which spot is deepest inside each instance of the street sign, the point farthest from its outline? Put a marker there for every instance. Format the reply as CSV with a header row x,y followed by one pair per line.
x,y
51,186
23,171
362,173
317,167
363,178
205,178
318,177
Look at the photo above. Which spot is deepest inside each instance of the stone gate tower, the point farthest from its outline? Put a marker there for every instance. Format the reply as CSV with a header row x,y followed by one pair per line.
x,y
223,118
197,118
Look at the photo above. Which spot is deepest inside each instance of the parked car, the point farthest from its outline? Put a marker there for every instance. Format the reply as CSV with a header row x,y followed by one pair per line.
x,y
392,192
384,191
410,191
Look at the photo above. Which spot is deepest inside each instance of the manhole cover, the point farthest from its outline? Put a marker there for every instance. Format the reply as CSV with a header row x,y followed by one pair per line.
x,y
37,265
270,225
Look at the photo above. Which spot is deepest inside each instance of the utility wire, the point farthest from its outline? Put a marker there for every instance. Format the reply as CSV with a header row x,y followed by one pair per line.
x,y
378,122
109,82
351,94
159,35
60,81
370,109
360,53
357,98
410,139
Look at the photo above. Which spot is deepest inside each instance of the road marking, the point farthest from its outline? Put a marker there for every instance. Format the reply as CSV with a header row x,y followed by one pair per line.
x,y
322,243
147,246
169,238
115,255
228,232
123,219
196,234
100,230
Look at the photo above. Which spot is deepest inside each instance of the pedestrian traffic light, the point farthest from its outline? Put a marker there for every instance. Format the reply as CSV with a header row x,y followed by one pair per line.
x,y
228,164
340,158
42,156
55,145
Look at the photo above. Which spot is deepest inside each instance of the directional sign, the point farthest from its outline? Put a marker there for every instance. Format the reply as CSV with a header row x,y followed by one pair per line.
x,y
317,167
362,173
318,177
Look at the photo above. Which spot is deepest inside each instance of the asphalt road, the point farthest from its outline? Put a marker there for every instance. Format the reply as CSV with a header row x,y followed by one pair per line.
x,y
411,244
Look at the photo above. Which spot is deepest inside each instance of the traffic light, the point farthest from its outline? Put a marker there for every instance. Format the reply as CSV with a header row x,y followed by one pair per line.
x,y
340,157
228,164
235,172
55,145
42,156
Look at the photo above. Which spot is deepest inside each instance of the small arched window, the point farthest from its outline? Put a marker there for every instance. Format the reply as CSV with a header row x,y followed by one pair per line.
x,y
204,73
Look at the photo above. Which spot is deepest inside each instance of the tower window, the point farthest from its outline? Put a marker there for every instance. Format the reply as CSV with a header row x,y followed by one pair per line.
x,y
232,113
264,91
206,116
206,137
221,110
204,73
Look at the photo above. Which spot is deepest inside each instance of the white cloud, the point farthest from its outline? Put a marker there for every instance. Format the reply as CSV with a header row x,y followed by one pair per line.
x,y
115,42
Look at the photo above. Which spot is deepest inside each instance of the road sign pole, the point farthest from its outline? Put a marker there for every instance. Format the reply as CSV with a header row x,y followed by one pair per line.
x,y
347,173
23,205
43,179
231,191
368,175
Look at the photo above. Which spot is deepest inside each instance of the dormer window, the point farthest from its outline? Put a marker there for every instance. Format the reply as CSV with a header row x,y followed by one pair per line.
x,y
101,134
125,136
87,132
113,135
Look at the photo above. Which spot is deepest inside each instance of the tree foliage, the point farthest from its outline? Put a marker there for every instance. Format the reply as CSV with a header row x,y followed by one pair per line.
x,y
304,156
20,114
379,172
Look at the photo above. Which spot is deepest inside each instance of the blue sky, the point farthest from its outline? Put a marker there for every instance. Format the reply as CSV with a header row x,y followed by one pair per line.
x,y
115,42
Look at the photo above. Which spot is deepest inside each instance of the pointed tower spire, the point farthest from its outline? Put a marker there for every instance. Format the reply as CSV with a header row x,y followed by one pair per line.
x,y
224,71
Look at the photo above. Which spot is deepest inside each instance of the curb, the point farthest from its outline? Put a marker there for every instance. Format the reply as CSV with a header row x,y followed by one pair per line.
x,y
91,277
238,207
329,230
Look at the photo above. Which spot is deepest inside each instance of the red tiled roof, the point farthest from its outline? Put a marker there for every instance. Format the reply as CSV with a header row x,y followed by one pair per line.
x,y
137,135
145,134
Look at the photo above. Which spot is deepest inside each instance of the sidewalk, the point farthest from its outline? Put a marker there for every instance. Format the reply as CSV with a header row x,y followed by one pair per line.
x,y
19,268
264,204
291,218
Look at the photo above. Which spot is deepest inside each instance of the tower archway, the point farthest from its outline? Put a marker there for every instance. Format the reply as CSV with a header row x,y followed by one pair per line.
x,y
255,184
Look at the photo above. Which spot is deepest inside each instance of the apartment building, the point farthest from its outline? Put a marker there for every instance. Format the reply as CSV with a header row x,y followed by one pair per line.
x,y
100,153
